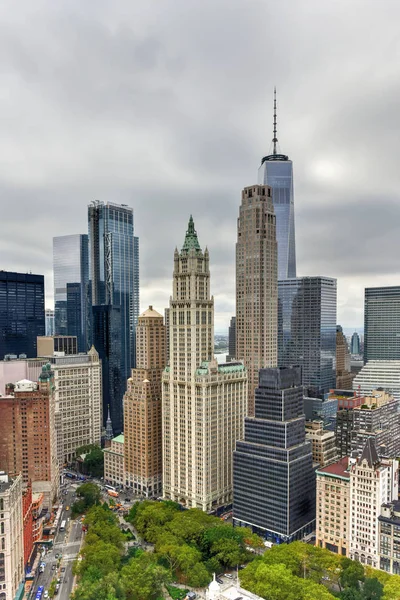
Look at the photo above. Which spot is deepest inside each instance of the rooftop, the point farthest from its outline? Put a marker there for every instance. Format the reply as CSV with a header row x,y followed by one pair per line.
x,y
338,469
150,313
119,439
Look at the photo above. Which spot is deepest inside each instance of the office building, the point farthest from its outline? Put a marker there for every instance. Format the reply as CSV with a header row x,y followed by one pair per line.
x,y
256,285
71,268
382,323
344,376
166,322
49,322
21,313
28,442
317,409
377,418
276,171
12,550
388,533
307,330
355,346
273,475
373,482
114,281
77,396
323,443
57,344
203,403
347,401
142,407
114,461
232,340
383,374
333,507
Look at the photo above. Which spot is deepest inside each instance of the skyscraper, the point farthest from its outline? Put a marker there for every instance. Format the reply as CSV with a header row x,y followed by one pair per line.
x,y
203,403
142,407
355,346
71,266
382,323
256,285
232,340
344,376
307,330
114,281
49,324
273,475
276,171
21,313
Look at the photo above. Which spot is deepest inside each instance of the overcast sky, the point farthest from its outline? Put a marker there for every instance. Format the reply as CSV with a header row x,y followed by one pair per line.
x,y
166,105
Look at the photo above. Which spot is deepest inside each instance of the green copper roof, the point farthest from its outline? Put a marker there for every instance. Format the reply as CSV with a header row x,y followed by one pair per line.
x,y
119,439
191,240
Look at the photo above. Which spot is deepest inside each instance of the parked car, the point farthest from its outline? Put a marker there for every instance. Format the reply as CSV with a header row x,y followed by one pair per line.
x,y
62,569
53,567
46,594
228,575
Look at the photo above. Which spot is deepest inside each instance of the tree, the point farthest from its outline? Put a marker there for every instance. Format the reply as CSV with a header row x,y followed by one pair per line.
x,y
352,573
143,579
90,494
391,590
108,588
351,594
372,589
102,556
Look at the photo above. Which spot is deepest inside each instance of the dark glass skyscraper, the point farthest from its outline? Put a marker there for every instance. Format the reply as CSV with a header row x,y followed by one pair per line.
x,y
21,313
355,346
382,323
114,281
273,476
276,170
71,271
307,330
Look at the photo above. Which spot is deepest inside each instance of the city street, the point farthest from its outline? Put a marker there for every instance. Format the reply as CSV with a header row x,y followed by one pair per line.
x,y
67,543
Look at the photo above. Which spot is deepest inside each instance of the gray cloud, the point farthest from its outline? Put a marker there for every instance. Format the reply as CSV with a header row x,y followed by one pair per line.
x,y
166,106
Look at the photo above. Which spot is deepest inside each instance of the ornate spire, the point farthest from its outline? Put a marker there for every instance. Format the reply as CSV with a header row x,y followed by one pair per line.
x,y
109,429
274,139
191,240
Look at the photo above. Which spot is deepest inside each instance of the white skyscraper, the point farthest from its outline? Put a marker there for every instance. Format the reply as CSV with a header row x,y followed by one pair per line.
x,y
204,404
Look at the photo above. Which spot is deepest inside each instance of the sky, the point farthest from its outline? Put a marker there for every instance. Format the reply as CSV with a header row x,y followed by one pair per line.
x,y
167,106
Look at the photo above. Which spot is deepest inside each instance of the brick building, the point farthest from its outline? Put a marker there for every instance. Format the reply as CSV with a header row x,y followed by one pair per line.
x,y
27,514
28,435
142,407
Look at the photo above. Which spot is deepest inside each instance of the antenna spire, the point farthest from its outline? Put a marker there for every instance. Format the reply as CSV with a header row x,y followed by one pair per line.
x,y
274,139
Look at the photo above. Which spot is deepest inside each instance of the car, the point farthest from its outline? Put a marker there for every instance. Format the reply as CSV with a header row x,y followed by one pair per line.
x,y
46,594
127,499
56,555
62,569
66,508
53,567
59,580
228,575
219,580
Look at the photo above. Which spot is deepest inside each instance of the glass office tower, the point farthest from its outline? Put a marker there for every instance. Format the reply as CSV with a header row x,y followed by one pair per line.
x,y
307,330
273,475
71,266
276,170
382,323
114,282
22,317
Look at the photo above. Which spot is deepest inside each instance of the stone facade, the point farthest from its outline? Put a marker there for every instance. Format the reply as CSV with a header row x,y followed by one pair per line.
x,y
203,403
114,463
256,285
11,536
142,407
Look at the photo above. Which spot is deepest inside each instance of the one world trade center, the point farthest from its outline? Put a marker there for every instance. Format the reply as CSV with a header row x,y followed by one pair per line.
x,y
276,170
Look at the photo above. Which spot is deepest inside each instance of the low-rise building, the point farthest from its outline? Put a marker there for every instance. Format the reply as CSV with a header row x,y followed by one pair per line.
x,y
37,511
114,461
333,507
12,536
323,443
27,513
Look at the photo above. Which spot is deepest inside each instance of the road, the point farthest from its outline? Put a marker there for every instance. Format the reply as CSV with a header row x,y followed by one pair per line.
x,y
67,543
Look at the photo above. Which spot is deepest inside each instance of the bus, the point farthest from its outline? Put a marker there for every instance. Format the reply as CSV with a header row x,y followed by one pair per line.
x,y
62,526
39,592
110,487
